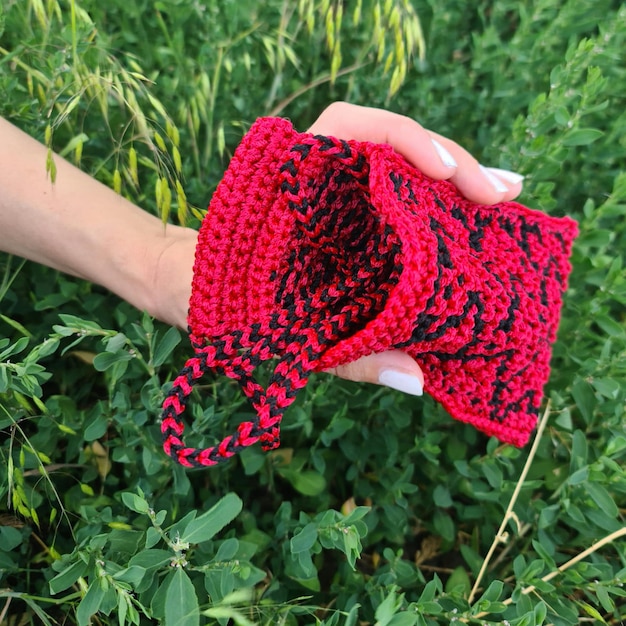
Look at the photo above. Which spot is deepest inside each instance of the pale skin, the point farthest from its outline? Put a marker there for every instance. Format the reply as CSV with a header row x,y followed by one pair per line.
x,y
82,228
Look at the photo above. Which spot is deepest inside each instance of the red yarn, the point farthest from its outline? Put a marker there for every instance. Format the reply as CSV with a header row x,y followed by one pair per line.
x,y
319,251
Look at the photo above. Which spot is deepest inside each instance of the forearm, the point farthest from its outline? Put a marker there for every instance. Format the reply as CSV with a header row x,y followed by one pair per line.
x,y
83,228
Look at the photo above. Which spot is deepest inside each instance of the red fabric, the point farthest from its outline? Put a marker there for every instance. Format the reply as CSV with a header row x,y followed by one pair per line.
x,y
319,251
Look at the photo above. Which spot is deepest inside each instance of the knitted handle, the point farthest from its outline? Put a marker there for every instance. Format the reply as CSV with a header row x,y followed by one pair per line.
x,y
336,309
269,405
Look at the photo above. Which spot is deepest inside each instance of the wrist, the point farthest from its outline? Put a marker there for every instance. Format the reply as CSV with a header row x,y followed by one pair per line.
x,y
170,274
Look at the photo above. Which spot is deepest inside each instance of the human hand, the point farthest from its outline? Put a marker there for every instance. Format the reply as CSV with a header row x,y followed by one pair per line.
x,y
437,157
111,242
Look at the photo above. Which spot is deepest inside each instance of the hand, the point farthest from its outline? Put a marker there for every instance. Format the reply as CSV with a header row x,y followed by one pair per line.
x,y
437,157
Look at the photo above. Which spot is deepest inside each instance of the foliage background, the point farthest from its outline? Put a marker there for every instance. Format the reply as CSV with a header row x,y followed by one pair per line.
x,y
377,509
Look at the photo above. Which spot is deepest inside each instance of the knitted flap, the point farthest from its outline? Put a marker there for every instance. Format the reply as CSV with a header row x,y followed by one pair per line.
x,y
318,251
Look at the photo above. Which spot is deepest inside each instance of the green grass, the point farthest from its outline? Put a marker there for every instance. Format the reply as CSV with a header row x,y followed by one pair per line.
x,y
377,509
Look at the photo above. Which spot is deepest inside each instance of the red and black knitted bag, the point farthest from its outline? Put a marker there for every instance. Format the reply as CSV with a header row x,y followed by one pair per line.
x,y
317,251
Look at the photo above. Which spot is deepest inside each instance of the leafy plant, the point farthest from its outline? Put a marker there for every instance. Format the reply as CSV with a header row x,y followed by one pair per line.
x,y
377,509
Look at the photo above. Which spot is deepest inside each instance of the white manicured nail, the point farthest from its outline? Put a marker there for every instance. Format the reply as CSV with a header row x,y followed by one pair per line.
x,y
402,382
511,177
446,158
494,181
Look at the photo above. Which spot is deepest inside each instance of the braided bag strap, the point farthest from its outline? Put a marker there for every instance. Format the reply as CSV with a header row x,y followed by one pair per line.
x,y
269,406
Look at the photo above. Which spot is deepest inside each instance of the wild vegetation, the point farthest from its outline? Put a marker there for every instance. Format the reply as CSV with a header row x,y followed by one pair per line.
x,y
378,509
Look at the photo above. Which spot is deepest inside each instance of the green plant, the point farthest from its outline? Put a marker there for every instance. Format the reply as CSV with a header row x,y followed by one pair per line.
x,y
377,509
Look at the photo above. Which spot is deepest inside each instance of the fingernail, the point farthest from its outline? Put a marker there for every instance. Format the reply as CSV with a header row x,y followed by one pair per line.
x,y
401,382
446,158
511,177
495,182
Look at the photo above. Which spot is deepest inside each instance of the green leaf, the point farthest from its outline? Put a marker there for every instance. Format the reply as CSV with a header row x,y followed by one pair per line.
x,y
95,427
585,399
9,538
305,539
610,326
403,619
357,514
591,611
151,558
165,347
105,360
351,545
533,570
601,519
459,580
444,525
90,604
431,588
44,349
579,450
608,387
579,476
493,592
78,324
616,445
133,575
227,612
582,137
15,348
352,616
605,600
540,611
387,609
38,611
135,503
602,498
441,496
472,558
116,343
15,324
122,609
207,525
67,577
544,554
305,571
152,537
307,482
4,379
181,602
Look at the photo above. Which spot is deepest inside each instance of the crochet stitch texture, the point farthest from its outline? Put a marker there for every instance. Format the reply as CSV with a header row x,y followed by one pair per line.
x,y
318,251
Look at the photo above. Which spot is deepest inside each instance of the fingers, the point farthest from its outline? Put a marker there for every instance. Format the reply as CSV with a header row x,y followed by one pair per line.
x,y
349,121
477,182
393,369
435,155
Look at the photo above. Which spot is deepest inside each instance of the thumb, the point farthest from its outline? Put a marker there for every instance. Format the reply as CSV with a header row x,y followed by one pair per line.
x,y
393,369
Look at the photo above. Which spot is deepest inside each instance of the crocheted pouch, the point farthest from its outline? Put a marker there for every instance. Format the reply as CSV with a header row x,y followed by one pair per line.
x,y
317,251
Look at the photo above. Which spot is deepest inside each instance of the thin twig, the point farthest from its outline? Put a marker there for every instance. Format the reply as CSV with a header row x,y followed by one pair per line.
x,y
524,528
579,557
316,83
5,609
54,467
436,568
509,511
